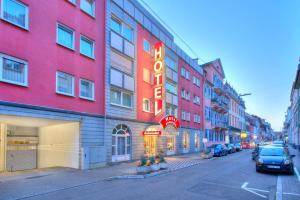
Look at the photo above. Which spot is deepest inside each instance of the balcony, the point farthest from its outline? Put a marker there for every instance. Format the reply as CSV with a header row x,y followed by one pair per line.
x,y
220,103
220,125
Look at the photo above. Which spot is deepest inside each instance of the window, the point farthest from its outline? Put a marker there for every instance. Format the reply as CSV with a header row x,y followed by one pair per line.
x,y
207,113
65,36
188,116
127,32
194,80
88,6
146,46
146,105
171,110
64,83
122,29
87,89
186,141
183,115
116,26
121,98
15,12
171,88
171,63
121,80
187,75
147,77
13,70
121,62
87,46
72,1
182,72
196,99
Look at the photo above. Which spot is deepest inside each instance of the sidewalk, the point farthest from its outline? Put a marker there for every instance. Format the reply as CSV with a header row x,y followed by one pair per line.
x,y
17,185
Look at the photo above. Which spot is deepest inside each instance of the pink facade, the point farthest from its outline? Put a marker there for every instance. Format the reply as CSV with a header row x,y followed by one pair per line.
x,y
45,57
194,90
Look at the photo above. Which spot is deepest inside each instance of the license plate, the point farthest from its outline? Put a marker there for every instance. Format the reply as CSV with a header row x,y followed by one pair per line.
x,y
273,167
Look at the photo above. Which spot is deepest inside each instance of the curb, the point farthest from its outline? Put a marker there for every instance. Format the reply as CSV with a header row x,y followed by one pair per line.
x,y
123,177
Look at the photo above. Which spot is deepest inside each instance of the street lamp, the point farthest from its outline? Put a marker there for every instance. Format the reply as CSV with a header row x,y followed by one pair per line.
x,y
245,94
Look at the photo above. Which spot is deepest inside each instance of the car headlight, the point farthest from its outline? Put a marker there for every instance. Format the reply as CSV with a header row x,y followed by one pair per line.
x,y
287,162
260,161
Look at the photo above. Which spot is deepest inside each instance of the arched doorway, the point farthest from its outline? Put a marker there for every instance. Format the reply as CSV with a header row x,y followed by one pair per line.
x,y
121,143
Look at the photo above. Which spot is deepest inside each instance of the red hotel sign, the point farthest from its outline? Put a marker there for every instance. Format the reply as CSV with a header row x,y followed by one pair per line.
x,y
151,133
169,120
158,78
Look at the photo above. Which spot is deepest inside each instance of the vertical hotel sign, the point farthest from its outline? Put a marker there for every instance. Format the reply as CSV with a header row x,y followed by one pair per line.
x,y
158,78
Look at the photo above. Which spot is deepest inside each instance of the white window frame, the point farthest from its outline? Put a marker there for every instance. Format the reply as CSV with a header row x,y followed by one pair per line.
x,y
26,14
93,89
73,86
187,75
121,105
144,109
182,71
16,60
94,9
67,29
93,46
183,115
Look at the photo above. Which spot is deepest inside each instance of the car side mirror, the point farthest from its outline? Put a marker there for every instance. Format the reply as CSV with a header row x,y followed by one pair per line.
x,y
292,156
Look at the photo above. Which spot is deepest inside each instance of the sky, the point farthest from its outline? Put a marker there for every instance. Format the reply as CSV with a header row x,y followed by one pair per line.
x,y
257,41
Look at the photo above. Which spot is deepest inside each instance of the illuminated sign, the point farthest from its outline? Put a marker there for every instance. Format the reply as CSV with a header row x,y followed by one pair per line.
x,y
169,120
151,133
243,135
158,78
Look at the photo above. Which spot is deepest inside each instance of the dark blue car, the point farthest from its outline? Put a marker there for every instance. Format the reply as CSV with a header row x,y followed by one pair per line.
x,y
218,150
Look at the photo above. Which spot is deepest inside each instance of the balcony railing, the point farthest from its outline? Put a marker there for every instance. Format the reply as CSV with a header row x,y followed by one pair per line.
x,y
220,103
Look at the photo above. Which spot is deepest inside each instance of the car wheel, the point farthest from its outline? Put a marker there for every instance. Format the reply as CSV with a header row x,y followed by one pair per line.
x,y
258,170
292,172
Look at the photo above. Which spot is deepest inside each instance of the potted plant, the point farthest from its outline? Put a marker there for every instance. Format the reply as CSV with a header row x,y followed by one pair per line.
x,y
207,154
143,166
163,163
154,164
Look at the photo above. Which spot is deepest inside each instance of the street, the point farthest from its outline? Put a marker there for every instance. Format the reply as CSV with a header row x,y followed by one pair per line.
x,y
232,177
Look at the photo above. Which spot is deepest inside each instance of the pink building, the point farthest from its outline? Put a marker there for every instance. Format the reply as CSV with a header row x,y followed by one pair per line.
x,y
51,83
215,103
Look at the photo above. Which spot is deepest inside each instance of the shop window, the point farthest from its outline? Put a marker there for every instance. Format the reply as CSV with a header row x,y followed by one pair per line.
x,y
13,70
146,105
121,143
64,84
15,12
88,6
65,36
87,89
87,47
186,141
197,141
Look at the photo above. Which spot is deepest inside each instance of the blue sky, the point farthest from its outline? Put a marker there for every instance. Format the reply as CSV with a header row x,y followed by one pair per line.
x,y
258,43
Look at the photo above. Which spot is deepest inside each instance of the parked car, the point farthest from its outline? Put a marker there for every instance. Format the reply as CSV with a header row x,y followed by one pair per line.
x,y
230,148
278,143
255,152
275,159
218,150
237,146
246,145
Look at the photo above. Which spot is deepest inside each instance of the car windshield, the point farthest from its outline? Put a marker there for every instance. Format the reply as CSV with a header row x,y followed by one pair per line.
x,y
272,152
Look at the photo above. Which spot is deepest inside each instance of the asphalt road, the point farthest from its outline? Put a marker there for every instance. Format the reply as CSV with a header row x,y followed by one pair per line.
x,y
232,177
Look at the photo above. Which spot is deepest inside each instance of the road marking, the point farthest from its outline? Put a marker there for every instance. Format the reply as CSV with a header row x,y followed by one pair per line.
x,y
279,189
244,187
297,173
289,193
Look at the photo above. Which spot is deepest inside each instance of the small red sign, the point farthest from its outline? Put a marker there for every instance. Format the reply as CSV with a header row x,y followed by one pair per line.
x,y
169,120
151,133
